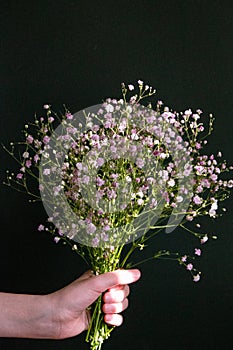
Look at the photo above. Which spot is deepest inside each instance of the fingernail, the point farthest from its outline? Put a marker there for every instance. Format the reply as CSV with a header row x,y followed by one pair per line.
x,y
136,273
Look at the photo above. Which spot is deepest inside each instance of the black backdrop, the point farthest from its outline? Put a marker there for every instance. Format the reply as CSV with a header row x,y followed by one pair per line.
x,y
77,53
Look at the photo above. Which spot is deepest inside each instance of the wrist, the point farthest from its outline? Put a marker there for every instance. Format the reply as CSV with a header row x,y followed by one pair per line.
x,y
45,322
26,316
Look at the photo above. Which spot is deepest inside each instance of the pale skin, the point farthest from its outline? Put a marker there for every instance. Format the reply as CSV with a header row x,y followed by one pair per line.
x,y
63,314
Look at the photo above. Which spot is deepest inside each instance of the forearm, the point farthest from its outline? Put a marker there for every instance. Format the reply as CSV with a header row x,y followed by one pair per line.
x,y
26,316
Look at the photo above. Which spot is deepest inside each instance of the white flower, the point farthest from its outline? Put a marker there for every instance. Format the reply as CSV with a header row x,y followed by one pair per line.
x,y
204,239
129,109
109,108
196,278
171,182
140,82
128,178
179,199
131,87
212,213
46,172
163,155
214,205
188,112
140,194
25,155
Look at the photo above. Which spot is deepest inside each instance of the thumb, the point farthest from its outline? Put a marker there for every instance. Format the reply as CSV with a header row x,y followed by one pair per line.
x,y
94,286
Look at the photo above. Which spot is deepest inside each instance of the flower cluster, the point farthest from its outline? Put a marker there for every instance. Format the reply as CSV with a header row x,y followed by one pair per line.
x,y
131,163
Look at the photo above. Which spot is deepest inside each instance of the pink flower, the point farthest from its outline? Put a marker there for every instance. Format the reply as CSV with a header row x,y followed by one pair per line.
x,y
46,139
95,242
46,106
56,239
140,201
28,163
91,228
189,267
85,179
99,182
153,203
201,128
100,162
214,177
107,124
19,176
46,171
29,139
69,116
41,228
140,162
111,194
197,251
79,166
197,199
184,258
36,158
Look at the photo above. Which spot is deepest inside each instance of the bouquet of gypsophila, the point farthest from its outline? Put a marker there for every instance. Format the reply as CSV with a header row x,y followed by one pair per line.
x,y
118,173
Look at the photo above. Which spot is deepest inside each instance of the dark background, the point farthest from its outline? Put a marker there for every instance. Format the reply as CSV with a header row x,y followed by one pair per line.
x,y
78,53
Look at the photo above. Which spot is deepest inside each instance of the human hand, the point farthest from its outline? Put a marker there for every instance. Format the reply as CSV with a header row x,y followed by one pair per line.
x,y
69,304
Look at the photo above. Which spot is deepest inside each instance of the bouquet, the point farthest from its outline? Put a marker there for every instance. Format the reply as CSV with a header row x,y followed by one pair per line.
x,y
117,174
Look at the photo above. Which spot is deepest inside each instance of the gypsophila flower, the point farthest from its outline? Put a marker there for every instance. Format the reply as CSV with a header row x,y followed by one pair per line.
x,y
198,251
46,171
91,228
204,239
28,163
69,116
140,162
171,183
196,278
36,158
29,139
46,139
19,176
189,266
197,199
118,168
230,184
25,155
